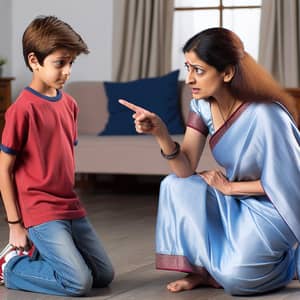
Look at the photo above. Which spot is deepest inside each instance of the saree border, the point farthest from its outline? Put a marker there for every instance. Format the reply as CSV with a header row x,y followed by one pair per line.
x,y
176,263
222,130
195,121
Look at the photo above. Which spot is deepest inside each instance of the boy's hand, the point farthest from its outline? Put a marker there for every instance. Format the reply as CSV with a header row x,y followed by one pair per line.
x,y
145,121
18,236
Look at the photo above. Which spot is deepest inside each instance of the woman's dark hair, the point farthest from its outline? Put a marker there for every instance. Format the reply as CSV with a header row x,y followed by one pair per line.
x,y
46,34
220,48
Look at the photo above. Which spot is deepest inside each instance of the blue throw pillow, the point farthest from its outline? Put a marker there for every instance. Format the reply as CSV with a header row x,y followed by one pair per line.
x,y
158,94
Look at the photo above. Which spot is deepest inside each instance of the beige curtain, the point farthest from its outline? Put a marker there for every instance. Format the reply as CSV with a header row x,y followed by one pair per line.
x,y
142,38
279,50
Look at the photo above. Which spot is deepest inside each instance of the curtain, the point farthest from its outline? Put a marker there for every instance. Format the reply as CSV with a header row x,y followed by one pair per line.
x,y
279,50
142,38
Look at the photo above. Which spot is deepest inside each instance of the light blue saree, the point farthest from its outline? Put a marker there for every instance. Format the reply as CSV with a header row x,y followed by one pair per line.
x,y
247,243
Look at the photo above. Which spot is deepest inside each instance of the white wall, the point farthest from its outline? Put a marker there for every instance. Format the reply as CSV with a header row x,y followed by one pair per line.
x,y
92,19
5,34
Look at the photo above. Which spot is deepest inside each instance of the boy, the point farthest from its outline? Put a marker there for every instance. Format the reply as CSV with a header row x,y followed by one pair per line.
x,y
37,175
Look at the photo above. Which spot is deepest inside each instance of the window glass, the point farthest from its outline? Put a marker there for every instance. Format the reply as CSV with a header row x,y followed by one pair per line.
x,y
196,3
240,2
245,23
186,24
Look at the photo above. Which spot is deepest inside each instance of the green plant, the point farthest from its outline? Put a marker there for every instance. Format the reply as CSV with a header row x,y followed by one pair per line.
x,y
2,61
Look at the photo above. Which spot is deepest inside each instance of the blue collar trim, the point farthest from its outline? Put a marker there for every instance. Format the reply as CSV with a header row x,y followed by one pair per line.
x,y
53,99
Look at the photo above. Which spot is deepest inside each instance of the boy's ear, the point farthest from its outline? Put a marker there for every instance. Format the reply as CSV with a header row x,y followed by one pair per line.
x,y
33,61
229,73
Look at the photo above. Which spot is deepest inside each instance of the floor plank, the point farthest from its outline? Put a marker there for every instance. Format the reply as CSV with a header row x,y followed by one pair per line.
x,y
125,222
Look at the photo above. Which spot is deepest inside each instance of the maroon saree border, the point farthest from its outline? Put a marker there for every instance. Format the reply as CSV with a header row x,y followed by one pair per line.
x,y
176,263
194,121
221,131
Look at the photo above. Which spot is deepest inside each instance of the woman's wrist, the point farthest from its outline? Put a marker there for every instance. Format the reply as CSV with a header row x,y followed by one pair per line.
x,y
172,154
162,134
230,188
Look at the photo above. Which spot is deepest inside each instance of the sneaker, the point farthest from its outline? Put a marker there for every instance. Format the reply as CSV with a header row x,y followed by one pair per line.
x,y
31,251
6,254
28,252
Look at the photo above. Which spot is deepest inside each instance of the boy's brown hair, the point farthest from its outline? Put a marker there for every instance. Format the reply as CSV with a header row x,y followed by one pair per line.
x,y
46,34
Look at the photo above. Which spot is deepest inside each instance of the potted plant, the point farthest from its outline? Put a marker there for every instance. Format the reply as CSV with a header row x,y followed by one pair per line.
x,y
2,63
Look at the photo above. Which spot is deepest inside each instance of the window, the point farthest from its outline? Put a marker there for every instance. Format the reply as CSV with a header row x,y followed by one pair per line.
x,y
192,16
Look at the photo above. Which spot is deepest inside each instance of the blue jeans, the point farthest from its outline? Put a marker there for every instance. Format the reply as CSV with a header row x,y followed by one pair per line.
x,y
69,261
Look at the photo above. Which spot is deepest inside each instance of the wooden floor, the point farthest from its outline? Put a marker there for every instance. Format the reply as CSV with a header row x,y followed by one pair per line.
x,y
125,221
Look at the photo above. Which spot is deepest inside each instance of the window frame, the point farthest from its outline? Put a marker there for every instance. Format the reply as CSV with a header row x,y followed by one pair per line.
x,y
222,10
221,7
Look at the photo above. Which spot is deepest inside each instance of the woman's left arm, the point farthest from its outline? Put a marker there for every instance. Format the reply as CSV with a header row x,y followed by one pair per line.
x,y
216,179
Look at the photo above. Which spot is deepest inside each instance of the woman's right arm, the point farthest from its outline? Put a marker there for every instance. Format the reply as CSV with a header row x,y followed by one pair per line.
x,y
185,163
191,149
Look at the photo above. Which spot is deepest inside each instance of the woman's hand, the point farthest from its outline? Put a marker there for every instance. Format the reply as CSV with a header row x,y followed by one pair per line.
x,y
145,121
18,237
217,179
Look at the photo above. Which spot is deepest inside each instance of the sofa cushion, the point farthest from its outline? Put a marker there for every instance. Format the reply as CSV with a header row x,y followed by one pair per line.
x,y
92,103
158,94
128,155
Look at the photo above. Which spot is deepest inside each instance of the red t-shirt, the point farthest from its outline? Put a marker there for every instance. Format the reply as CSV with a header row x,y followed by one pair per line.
x,y
41,131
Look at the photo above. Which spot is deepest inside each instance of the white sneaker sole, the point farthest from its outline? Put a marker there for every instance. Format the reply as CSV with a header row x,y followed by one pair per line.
x,y
7,248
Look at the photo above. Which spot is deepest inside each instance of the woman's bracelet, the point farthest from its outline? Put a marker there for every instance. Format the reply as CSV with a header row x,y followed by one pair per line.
x,y
174,154
19,221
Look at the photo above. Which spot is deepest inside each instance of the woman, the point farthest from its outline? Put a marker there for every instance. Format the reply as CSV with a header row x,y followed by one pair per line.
x,y
238,230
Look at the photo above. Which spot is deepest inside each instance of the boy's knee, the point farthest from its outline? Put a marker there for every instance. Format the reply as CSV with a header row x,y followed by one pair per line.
x,y
81,284
104,278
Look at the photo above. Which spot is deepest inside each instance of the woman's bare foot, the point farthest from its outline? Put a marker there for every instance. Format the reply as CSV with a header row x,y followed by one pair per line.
x,y
191,281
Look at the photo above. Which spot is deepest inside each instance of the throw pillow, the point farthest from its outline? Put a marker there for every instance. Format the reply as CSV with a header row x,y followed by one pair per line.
x,y
158,94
